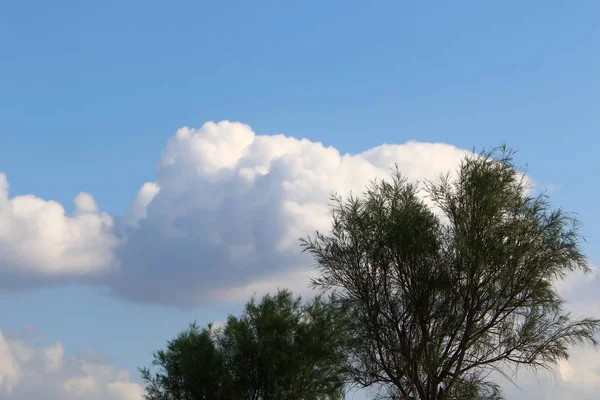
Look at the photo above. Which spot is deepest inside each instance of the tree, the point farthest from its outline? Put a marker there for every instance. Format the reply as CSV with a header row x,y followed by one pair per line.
x,y
191,368
448,280
277,349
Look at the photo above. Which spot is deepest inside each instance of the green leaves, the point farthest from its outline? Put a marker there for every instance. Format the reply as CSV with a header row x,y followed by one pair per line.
x,y
277,349
435,286
452,278
191,367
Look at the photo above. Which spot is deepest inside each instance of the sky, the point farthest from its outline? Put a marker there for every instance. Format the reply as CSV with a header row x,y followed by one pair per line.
x,y
160,160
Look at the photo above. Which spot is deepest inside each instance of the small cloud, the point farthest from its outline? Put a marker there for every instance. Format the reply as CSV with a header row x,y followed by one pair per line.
x,y
32,372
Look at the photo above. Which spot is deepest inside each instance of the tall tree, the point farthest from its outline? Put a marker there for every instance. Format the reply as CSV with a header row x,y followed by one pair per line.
x,y
277,349
451,279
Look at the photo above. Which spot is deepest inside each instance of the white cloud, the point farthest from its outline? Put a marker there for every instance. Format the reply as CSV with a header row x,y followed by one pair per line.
x,y
221,220
38,241
124,390
138,209
54,357
224,216
30,372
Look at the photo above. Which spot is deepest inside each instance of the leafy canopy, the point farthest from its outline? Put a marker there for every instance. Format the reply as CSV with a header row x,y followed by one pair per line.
x,y
449,280
277,349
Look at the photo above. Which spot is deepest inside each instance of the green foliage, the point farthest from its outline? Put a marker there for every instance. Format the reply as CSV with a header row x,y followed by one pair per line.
x,y
277,349
191,367
444,288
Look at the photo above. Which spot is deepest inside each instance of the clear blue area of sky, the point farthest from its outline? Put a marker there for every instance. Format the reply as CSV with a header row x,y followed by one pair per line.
x,y
91,91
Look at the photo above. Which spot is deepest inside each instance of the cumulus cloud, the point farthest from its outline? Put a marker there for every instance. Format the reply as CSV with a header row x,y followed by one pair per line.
x,y
221,220
223,217
39,242
31,372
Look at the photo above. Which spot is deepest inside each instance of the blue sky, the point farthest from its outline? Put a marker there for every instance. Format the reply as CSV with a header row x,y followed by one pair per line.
x,y
92,92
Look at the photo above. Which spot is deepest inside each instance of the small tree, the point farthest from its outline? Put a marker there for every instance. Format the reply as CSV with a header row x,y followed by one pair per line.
x,y
440,293
190,368
277,349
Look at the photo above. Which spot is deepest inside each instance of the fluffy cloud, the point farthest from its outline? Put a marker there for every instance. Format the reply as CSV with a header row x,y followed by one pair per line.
x,y
40,243
29,372
222,219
